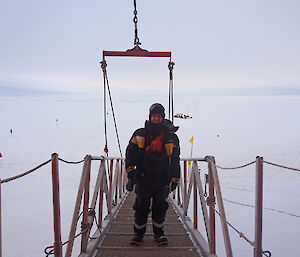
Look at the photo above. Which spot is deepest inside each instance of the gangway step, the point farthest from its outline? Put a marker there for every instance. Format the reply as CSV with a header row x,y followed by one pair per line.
x,y
147,252
116,239
128,227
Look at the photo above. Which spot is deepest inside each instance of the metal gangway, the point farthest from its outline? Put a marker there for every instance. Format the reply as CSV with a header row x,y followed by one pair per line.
x,y
108,205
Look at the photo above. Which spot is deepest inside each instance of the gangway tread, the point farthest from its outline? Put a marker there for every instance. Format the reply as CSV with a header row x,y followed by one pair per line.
x,y
116,239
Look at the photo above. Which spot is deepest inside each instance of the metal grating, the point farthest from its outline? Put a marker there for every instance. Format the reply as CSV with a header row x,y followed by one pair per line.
x,y
115,242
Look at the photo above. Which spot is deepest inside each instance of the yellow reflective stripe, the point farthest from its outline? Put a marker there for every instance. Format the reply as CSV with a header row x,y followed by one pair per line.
x,y
133,140
130,168
169,148
139,141
175,180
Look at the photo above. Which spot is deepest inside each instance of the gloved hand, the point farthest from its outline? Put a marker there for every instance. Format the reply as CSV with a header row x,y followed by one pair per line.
x,y
130,184
131,178
131,170
173,186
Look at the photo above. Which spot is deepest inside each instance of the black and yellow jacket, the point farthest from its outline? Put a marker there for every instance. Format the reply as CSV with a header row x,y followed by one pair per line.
x,y
153,154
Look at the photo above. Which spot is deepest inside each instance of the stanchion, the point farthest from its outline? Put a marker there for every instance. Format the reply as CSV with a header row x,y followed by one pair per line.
x,y
84,223
212,215
0,223
222,212
86,164
258,207
56,206
195,202
184,180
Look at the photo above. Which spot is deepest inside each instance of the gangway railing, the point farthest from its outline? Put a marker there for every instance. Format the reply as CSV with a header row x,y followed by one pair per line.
x,y
190,183
111,181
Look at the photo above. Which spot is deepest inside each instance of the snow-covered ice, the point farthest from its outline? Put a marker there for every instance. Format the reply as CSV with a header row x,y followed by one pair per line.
x,y
247,127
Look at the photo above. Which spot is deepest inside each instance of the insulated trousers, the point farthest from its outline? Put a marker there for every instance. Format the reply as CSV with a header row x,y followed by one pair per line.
x,y
144,194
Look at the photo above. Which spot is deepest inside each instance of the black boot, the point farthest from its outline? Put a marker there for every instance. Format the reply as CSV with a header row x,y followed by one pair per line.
x,y
159,236
161,240
138,235
136,239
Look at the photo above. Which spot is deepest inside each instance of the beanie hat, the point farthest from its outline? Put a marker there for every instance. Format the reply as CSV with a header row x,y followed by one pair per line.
x,y
156,108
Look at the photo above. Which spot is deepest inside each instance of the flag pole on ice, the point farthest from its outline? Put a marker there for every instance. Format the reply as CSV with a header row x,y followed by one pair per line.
x,y
192,143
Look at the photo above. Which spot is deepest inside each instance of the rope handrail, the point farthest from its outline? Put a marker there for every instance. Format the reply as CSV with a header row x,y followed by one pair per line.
x,y
71,162
25,173
281,166
250,163
37,167
231,168
266,208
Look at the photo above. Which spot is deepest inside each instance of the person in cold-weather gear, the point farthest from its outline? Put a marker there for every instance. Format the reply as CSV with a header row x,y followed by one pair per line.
x,y
152,162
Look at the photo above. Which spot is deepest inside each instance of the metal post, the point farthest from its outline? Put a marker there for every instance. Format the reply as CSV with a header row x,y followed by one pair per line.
x,y
122,182
222,212
258,207
202,198
101,175
101,202
0,223
117,181
110,196
124,176
184,180
178,195
195,203
86,164
212,216
56,206
84,223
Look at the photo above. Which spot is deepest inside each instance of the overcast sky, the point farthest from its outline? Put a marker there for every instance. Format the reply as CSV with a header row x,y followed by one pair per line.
x,y
249,46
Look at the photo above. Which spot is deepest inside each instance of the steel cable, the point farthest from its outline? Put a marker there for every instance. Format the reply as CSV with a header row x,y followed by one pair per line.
x,y
266,208
171,91
242,235
106,84
113,113
103,66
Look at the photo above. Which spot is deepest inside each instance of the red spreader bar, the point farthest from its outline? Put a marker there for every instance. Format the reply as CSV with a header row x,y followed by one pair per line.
x,y
136,52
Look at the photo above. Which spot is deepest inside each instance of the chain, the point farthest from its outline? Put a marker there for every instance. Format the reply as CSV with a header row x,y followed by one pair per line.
x,y
135,20
171,67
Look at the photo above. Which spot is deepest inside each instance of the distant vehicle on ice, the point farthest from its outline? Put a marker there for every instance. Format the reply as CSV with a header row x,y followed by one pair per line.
x,y
182,116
